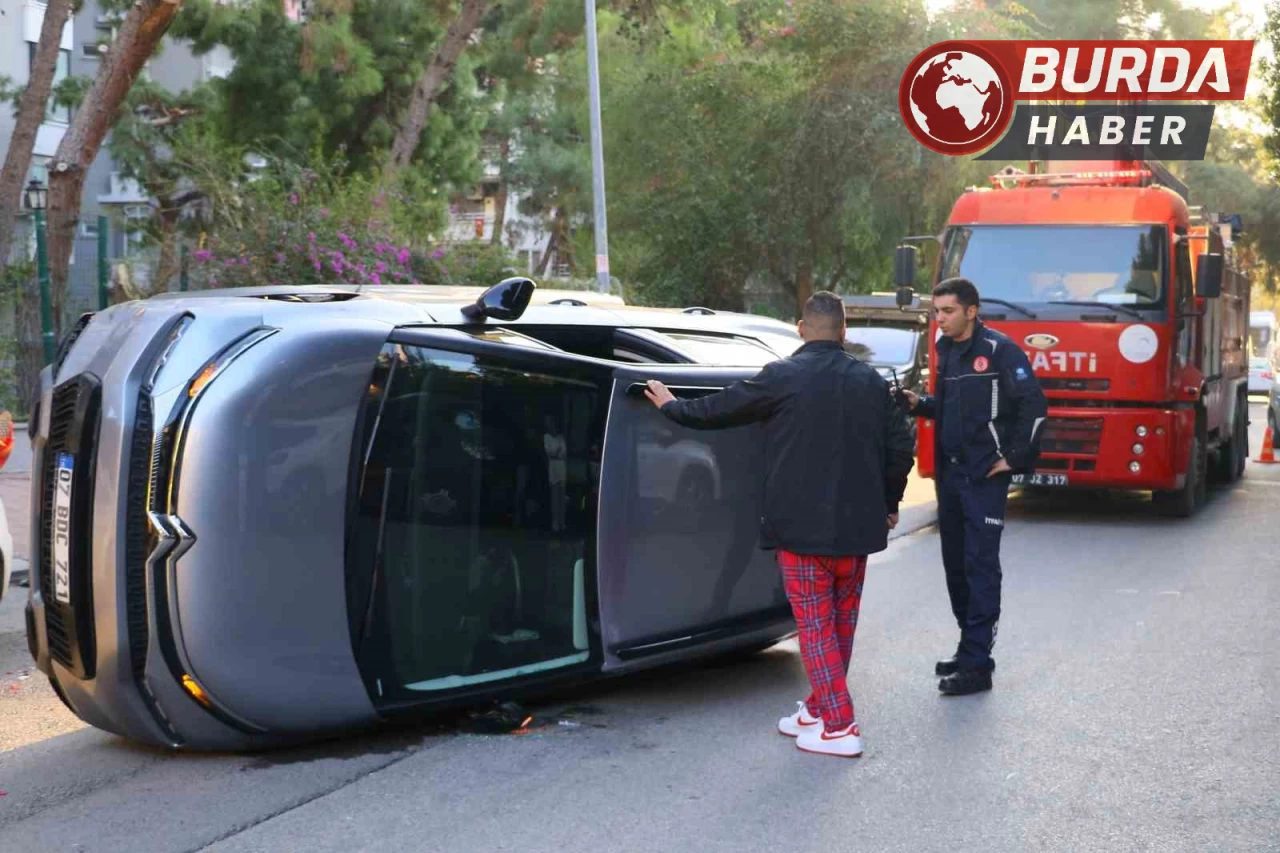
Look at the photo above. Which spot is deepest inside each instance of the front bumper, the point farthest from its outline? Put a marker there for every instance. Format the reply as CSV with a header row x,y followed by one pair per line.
x,y
1106,463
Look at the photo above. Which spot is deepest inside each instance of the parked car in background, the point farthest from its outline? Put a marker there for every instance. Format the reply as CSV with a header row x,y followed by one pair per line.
x,y
1261,375
266,514
889,338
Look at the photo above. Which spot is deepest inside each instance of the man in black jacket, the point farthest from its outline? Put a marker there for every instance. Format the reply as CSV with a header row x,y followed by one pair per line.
x,y
837,454
988,412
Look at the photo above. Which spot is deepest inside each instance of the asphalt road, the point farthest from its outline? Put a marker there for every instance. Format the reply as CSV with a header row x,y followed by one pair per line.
x,y
1137,707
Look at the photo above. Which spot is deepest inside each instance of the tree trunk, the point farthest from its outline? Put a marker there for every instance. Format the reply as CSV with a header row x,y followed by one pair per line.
x,y
541,269
500,202
431,82
804,286
31,112
139,35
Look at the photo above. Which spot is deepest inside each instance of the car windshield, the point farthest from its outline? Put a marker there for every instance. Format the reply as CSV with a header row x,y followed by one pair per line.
x,y
469,549
1121,265
881,345
1258,363
722,351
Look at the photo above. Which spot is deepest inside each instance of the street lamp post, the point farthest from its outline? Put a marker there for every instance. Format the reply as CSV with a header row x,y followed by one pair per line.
x,y
37,200
597,153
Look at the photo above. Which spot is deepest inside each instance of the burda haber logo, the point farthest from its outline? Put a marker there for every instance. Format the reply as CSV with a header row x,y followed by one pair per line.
x,y
959,97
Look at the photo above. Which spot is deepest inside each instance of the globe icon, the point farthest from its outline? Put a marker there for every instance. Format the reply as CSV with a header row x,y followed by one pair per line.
x,y
956,97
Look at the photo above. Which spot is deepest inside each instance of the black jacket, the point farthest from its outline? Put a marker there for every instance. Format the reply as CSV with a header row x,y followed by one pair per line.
x,y
1001,405
837,448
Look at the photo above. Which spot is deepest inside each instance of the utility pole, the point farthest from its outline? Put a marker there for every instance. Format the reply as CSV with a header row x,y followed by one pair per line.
x,y
597,154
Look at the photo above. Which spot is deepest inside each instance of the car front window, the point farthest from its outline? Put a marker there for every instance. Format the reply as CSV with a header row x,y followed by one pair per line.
x,y
468,557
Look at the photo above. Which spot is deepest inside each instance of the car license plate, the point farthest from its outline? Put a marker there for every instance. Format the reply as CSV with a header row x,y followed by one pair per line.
x,y
1041,479
63,474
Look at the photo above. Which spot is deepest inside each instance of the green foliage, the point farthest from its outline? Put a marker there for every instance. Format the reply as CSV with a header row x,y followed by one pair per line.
x,y
292,225
339,83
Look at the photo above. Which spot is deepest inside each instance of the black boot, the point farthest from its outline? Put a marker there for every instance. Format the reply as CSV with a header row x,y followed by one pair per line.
x,y
965,681
950,666
946,666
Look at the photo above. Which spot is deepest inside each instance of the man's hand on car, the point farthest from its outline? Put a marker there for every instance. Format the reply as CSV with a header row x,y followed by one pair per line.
x,y
658,393
893,520
1001,467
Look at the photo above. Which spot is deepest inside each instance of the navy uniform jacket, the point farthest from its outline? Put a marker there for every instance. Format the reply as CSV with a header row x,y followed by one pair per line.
x,y
1000,403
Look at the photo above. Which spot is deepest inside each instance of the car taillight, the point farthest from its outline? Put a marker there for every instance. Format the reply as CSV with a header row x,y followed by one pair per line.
x,y
1267,374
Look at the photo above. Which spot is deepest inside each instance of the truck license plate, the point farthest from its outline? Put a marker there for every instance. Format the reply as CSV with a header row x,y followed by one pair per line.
x,y
63,474
1041,479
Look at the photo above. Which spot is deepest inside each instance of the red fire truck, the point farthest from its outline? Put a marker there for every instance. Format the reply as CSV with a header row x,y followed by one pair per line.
x,y
1132,310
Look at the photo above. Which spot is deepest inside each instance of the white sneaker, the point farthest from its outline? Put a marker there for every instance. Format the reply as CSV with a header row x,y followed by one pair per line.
x,y
800,721
846,743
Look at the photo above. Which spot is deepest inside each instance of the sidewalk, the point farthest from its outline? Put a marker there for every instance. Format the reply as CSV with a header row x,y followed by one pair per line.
x,y
919,507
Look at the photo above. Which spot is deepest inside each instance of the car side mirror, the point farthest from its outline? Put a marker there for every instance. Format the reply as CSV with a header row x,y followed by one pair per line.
x,y
1209,276
506,300
904,274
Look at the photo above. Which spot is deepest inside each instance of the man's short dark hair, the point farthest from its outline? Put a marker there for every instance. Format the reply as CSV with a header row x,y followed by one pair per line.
x,y
961,288
824,313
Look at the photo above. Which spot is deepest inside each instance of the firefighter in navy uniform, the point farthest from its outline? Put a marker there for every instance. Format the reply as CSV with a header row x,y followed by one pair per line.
x,y
988,411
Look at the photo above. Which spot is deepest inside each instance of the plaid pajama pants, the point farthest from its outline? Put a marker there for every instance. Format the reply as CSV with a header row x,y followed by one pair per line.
x,y
825,593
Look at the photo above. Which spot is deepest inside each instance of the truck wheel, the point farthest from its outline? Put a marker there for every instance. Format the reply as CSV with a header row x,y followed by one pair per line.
x,y
1242,430
1230,457
1185,501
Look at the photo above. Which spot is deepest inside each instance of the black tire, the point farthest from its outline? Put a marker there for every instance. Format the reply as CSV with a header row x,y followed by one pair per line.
x,y
1242,431
1185,501
1229,461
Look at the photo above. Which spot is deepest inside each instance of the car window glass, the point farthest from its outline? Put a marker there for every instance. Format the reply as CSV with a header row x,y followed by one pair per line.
x,y
474,522
879,345
725,351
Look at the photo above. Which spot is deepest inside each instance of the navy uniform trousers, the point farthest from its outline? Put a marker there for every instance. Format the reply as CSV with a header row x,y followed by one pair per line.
x,y
970,521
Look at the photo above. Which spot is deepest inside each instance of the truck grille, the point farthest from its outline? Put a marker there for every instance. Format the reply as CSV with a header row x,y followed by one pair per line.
x,y
73,428
1072,435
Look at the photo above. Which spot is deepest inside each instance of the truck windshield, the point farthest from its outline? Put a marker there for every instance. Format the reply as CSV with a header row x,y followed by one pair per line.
x,y
1120,265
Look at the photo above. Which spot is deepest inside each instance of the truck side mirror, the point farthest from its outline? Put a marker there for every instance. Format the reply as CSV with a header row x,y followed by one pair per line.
x,y
1209,276
904,274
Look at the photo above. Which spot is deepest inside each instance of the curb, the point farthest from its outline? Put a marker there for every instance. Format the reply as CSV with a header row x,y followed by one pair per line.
x,y
913,519
20,572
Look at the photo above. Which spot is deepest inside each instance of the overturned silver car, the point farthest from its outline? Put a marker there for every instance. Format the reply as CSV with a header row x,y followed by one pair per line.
x,y
261,515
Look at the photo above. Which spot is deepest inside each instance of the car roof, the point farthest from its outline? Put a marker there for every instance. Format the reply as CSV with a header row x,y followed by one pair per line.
x,y
443,304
